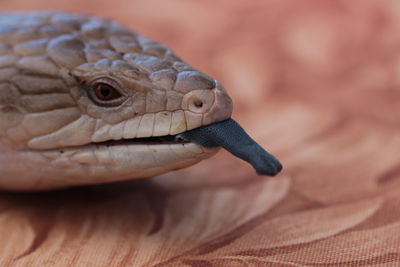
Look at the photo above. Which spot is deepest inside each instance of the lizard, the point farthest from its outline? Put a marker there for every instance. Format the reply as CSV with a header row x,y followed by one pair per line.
x,y
84,100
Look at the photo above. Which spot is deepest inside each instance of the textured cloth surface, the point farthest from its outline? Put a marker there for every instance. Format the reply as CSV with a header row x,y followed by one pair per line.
x,y
315,82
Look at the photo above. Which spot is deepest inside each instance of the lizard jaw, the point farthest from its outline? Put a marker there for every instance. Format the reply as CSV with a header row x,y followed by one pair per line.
x,y
95,163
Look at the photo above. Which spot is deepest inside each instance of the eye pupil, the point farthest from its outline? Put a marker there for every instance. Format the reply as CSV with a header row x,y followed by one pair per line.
x,y
105,91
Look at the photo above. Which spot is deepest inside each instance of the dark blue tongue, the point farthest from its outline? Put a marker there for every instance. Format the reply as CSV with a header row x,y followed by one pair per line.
x,y
231,136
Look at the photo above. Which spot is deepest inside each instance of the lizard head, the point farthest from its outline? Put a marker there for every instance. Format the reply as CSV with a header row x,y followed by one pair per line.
x,y
102,104
134,108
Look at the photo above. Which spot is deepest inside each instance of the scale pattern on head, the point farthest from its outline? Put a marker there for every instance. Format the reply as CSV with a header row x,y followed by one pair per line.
x,y
66,72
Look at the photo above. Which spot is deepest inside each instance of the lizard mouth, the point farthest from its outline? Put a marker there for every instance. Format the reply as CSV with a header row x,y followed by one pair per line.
x,y
153,140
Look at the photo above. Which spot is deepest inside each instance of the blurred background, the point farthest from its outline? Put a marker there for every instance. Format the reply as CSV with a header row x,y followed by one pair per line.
x,y
315,82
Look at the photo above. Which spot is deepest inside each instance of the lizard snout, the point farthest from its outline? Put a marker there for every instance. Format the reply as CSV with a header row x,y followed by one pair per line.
x,y
213,104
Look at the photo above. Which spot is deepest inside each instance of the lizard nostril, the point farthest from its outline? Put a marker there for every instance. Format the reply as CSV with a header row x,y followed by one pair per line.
x,y
198,103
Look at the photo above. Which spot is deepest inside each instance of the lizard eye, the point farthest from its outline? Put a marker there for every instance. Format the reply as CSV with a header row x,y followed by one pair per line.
x,y
105,92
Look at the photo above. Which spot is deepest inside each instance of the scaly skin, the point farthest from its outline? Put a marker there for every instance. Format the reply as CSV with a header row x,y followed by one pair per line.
x,y
50,126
